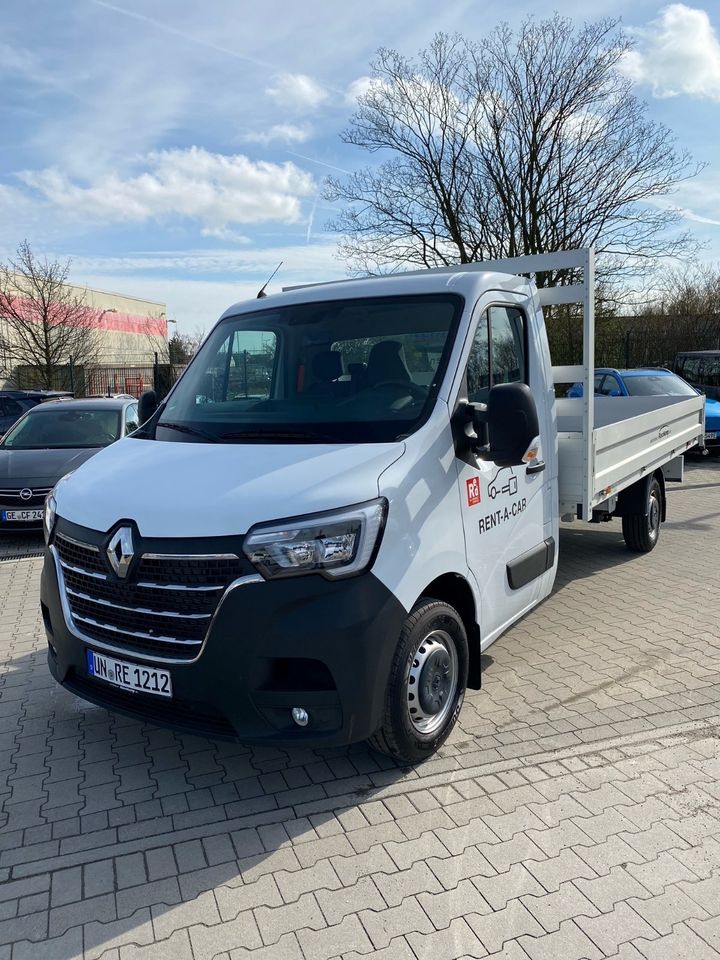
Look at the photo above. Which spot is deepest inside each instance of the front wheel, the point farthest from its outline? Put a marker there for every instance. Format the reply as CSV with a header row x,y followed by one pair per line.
x,y
642,530
427,683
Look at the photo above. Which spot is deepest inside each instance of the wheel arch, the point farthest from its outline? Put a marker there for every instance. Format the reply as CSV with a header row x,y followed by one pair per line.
x,y
454,589
634,499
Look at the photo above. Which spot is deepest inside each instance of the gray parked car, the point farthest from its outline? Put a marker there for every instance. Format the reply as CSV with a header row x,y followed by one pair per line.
x,y
49,441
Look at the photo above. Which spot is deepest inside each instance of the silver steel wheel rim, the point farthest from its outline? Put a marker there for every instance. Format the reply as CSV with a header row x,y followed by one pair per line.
x,y
654,516
431,685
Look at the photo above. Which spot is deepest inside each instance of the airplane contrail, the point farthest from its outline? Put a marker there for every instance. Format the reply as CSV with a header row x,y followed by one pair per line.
x,y
184,36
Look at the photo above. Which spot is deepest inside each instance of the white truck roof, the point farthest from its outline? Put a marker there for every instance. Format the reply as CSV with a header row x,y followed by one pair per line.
x,y
468,283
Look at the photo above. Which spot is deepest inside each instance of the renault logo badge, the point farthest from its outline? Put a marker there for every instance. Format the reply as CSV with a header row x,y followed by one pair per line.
x,y
120,551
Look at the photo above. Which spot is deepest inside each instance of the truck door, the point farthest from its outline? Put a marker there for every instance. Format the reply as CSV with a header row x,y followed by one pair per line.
x,y
504,509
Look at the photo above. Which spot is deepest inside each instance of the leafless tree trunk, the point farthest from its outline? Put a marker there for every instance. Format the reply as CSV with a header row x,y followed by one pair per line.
x,y
46,323
526,142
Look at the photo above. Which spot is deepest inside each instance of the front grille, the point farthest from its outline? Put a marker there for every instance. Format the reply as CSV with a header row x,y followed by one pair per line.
x,y
81,555
197,571
200,718
12,497
180,601
162,611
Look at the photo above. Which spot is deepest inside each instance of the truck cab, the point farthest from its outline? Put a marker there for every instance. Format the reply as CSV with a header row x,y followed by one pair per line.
x,y
350,493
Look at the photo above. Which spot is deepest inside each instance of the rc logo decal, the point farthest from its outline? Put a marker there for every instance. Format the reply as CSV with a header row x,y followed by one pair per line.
x,y
473,491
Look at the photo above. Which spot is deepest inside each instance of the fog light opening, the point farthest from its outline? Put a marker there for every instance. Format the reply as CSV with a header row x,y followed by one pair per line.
x,y
300,716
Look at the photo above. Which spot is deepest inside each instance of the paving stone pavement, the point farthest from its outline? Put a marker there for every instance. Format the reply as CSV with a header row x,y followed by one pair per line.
x,y
575,812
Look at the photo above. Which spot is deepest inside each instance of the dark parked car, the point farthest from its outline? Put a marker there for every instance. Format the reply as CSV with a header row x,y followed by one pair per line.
x,y
14,403
50,440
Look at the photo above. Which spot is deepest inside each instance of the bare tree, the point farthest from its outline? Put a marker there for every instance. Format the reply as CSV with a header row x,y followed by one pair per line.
x,y
154,330
46,323
182,347
525,142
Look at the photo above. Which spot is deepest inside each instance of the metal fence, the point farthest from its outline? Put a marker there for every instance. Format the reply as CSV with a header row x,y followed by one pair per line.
x,y
103,380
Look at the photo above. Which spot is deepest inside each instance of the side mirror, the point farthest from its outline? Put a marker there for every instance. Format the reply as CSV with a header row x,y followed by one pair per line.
x,y
512,423
147,405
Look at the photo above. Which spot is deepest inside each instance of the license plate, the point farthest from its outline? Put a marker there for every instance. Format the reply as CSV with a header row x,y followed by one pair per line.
x,y
711,435
26,516
129,676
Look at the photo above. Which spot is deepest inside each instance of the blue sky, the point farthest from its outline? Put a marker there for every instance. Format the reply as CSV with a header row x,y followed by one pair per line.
x,y
176,150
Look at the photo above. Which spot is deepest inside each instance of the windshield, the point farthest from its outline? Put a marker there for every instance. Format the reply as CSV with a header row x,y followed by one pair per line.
x,y
44,429
658,385
329,372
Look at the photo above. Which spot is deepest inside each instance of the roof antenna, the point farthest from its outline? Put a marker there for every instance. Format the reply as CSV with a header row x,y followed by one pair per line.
x,y
262,289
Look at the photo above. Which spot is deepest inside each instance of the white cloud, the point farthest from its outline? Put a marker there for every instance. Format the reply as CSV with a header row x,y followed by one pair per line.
x,y
297,91
358,88
698,199
677,53
225,233
279,133
215,189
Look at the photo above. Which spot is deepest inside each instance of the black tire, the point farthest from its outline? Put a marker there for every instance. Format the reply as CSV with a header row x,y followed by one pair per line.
x,y
642,530
431,658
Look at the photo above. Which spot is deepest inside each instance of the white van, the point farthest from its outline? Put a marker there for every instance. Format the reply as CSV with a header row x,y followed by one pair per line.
x,y
352,491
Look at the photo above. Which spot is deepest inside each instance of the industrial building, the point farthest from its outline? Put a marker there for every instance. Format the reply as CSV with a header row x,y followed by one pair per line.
x,y
132,331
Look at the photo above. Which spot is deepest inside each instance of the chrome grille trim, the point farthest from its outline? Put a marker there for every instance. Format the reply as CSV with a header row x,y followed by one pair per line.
x,y
77,543
15,491
155,638
82,570
177,586
190,556
145,610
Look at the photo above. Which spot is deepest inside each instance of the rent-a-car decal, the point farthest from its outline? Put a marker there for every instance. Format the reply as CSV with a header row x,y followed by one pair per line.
x,y
506,482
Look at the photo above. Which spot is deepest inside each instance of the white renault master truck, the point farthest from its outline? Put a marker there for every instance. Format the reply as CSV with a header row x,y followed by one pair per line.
x,y
352,491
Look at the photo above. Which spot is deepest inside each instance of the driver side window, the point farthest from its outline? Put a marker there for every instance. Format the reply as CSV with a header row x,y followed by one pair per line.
x,y
498,352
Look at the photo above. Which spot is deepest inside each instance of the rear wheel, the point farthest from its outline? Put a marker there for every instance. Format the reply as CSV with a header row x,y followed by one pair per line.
x,y
642,530
427,683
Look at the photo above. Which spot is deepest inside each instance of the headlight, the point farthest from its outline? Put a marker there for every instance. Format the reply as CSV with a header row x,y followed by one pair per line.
x,y
49,515
336,544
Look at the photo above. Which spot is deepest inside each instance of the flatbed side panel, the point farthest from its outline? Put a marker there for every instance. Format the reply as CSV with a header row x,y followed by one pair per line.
x,y
627,449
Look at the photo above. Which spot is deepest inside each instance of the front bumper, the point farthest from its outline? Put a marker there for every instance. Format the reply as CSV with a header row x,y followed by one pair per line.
x,y
306,641
712,435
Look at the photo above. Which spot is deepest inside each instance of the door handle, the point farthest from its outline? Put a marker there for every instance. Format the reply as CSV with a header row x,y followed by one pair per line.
x,y
537,467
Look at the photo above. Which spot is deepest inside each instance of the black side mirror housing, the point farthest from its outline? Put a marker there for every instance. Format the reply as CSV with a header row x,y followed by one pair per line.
x,y
147,405
512,423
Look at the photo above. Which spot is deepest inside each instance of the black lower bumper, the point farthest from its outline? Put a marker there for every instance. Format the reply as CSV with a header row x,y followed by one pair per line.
x,y
307,642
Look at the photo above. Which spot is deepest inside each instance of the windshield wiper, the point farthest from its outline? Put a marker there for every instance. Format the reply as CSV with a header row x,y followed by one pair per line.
x,y
184,428
299,436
